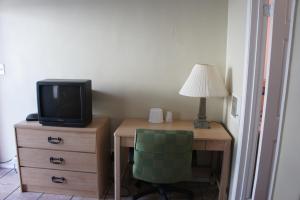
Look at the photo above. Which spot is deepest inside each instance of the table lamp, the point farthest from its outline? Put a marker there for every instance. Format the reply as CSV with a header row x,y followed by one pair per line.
x,y
204,81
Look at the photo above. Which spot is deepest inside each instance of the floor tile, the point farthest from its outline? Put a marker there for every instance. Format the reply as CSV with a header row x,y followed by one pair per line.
x,y
84,198
54,197
6,190
18,195
11,178
8,184
4,171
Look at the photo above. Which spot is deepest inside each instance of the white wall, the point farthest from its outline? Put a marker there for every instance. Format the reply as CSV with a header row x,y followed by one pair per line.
x,y
236,41
288,179
235,58
138,54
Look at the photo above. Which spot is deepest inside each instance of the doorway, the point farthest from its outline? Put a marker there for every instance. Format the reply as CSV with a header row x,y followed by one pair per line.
x,y
270,34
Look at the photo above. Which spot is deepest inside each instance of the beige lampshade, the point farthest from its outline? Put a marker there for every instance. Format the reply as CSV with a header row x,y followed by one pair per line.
x,y
204,81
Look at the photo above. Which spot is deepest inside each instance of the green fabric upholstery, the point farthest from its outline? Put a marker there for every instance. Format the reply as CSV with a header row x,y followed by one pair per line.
x,y
162,156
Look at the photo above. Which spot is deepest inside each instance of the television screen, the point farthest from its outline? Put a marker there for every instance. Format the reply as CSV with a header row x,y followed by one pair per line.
x,y
60,101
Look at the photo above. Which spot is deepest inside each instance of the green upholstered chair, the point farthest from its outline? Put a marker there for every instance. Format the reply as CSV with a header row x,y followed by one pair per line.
x,y
163,157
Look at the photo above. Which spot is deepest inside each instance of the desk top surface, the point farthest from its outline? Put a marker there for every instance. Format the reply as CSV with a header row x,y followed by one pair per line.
x,y
215,132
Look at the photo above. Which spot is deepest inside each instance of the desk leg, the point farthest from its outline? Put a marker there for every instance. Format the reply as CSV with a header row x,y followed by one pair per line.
x,y
225,171
117,167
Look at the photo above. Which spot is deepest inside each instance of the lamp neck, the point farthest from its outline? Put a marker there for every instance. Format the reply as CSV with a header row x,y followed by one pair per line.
x,y
202,108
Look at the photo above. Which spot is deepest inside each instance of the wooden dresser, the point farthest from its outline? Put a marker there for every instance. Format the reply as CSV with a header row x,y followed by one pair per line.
x,y
63,160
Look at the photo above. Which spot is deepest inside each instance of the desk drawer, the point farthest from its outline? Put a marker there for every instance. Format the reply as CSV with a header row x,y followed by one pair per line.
x,y
55,181
212,145
69,141
199,145
74,161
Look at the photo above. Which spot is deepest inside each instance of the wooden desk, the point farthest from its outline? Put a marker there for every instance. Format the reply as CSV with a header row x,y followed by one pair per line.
x,y
214,139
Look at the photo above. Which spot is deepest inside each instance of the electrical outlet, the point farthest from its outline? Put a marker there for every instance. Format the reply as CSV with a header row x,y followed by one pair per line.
x,y
2,69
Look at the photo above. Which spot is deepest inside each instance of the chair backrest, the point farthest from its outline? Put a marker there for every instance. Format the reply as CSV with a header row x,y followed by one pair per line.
x,y
162,156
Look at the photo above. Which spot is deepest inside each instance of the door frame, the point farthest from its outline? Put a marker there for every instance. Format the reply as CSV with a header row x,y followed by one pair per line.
x,y
250,105
275,100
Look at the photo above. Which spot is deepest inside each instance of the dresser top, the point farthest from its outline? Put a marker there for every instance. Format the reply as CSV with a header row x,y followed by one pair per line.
x,y
96,123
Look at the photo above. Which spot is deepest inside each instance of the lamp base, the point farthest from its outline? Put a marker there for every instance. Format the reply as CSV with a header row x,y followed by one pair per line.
x,y
201,123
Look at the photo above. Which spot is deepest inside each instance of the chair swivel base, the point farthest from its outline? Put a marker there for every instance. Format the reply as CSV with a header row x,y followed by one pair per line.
x,y
163,190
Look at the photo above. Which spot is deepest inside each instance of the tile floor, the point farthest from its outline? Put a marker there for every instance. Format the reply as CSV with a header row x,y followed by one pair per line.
x,y
10,190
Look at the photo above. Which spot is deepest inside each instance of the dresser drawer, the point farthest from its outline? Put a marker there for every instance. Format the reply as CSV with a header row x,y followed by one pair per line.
x,y
62,160
55,181
56,140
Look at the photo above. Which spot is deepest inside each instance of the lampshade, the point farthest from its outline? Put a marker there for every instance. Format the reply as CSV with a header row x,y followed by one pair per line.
x,y
204,81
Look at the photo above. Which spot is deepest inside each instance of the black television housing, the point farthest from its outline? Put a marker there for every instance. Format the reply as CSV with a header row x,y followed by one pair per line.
x,y
64,102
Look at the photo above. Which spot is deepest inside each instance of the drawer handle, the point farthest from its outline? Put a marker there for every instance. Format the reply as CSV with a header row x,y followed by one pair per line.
x,y
57,161
58,179
54,140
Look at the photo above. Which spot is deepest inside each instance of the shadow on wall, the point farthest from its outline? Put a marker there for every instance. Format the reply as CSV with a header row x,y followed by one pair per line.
x,y
110,105
228,85
3,137
134,104
1,129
